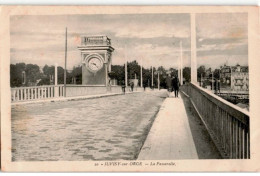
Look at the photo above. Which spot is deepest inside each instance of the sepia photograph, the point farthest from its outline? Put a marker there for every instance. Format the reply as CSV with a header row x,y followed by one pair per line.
x,y
122,89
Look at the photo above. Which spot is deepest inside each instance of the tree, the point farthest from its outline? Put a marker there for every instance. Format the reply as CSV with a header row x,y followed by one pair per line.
x,y
77,74
216,73
61,76
173,71
132,69
201,71
48,72
33,74
16,74
162,76
147,73
119,73
186,74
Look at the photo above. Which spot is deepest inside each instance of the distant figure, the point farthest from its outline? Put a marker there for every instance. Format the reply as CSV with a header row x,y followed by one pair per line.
x,y
176,84
109,84
169,83
123,87
144,86
132,86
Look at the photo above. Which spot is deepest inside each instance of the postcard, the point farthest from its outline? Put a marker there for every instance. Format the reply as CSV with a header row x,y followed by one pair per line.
x,y
130,88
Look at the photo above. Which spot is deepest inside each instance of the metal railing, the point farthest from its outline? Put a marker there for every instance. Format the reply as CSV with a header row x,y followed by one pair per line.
x,y
227,124
36,93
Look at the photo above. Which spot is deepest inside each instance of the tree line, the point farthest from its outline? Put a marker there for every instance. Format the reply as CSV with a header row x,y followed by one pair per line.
x,y
34,76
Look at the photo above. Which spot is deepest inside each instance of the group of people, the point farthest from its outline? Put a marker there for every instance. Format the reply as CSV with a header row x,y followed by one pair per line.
x,y
173,84
124,87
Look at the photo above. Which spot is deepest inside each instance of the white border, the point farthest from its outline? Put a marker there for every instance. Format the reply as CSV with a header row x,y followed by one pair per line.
x,y
131,2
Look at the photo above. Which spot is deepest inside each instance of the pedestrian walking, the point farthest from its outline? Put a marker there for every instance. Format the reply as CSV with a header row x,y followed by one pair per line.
x,y
176,85
144,86
132,86
169,83
123,87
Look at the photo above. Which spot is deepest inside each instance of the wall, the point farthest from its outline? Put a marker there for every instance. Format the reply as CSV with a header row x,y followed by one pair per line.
x,y
83,90
89,78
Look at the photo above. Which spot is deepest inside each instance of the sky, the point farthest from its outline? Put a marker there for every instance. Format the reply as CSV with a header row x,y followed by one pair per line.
x,y
154,38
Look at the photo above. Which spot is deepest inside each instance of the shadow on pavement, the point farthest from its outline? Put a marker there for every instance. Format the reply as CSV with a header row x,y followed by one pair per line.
x,y
205,147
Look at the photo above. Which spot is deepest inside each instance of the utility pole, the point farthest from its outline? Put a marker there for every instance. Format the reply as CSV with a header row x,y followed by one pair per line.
x,y
135,79
65,70
219,79
125,68
212,81
158,80
56,89
181,73
201,80
193,49
179,69
152,76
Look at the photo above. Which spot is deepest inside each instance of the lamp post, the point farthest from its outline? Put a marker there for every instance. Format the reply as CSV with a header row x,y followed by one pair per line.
x,y
152,76
65,68
135,80
56,89
219,79
212,84
125,68
158,72
181,71
23,77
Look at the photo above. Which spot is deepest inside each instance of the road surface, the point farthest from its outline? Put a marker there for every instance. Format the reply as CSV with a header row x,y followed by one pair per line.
x,y
108,128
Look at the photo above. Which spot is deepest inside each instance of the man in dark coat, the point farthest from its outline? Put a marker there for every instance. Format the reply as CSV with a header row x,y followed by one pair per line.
x,y
176,85
169,83
132,86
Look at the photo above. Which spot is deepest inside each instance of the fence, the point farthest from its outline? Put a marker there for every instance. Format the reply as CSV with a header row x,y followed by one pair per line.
x,y
36,92
227,124
47,92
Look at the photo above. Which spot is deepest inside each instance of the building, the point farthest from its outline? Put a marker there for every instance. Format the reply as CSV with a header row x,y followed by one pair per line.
x,y
234,78
239,78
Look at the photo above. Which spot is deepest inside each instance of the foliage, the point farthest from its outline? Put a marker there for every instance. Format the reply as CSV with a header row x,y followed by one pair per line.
x,y
34,76
16,74
32,72
77,74
201,71
186,74
119,73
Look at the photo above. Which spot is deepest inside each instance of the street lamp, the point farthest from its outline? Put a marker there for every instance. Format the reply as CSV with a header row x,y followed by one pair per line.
x,y
23,77
158,72
212,85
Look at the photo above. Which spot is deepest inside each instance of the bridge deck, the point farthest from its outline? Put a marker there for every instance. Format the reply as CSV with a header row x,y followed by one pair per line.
x,y
170,136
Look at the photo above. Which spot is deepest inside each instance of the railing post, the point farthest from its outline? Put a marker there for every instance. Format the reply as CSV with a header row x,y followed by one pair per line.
x,y
25,94
228,125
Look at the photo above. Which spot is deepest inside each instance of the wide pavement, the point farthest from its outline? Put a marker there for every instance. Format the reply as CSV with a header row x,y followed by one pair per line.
x,y
170,136
107,128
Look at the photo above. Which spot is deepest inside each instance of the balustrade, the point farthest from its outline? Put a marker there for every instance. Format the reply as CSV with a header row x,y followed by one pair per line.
x,y
227,124
35,93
